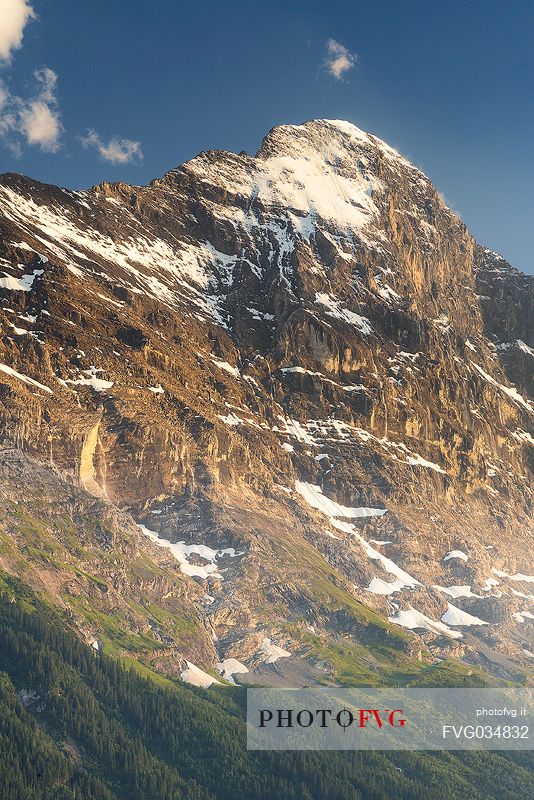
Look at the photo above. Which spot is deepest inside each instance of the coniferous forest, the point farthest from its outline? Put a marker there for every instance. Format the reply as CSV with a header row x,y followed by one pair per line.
x,y
76,724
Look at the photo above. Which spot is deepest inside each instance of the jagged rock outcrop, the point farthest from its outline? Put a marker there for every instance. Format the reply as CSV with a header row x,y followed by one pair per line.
x,y
203,350
507,302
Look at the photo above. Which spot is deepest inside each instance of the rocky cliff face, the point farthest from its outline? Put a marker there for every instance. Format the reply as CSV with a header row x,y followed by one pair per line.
x,y
299,364
507,302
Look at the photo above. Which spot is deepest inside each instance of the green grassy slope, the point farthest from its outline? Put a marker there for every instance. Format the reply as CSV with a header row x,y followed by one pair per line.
x,y
77,724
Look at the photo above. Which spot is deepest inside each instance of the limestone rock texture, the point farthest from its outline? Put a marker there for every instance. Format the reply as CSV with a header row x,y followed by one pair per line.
x,y
300,370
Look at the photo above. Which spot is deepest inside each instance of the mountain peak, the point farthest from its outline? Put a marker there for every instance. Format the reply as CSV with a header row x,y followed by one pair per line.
x,y
322,133
275,363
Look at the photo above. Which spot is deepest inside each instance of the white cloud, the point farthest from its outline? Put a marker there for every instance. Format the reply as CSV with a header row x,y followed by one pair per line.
x,y
40,125
117,150
39,119
338,59
4,96
35,119
14,14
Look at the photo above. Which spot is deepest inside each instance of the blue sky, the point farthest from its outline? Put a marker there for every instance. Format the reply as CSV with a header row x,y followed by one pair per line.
x,y
125,90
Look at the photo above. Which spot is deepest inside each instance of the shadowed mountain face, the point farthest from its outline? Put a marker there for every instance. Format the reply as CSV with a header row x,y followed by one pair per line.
x,y
295,371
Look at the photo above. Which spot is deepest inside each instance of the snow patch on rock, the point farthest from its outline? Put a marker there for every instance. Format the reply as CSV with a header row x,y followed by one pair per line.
x,y
196,676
